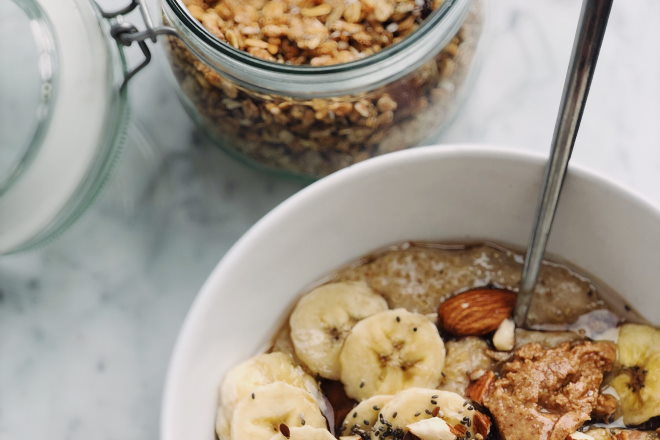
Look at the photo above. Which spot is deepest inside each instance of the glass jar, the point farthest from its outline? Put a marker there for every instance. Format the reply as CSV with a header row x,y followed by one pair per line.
x,y
64,107
63,115
310,121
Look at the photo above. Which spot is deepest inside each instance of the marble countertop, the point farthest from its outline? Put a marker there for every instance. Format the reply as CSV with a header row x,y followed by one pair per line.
x,y
88,322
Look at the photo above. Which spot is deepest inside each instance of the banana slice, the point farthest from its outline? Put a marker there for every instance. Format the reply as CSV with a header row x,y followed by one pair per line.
x,y
389,352
322,319
638,384
260,370
303,433
259,415
416,404
364,416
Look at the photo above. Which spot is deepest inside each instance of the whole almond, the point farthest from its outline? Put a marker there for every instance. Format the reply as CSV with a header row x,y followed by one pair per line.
x,y
476,312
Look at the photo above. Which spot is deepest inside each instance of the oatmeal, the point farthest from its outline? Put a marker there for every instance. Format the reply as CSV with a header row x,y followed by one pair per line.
x,y
416,342
420,278
467,359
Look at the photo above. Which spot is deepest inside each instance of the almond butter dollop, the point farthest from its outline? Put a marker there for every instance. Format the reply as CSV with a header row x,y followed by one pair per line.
x,y
547,394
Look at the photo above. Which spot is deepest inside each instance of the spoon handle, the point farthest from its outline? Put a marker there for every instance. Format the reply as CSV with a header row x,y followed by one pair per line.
x,y
588,39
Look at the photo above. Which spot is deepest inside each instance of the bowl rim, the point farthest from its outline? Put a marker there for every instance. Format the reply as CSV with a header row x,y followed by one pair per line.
x,y
344,176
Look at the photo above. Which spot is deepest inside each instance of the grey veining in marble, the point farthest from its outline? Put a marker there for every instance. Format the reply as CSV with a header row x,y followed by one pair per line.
x,y
88,322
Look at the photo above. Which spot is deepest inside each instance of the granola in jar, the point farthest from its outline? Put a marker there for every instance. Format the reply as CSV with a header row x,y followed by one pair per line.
x,y
313,133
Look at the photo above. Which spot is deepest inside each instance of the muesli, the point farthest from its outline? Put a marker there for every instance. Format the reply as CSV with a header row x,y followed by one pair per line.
x,y
314,137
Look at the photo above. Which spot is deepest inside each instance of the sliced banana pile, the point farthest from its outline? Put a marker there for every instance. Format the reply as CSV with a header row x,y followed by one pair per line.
x,y
339,331
430,414
264,369
265,392
324,317
638,382
344,331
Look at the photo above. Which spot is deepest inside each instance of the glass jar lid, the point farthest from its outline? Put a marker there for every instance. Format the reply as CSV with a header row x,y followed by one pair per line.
x,y
62,115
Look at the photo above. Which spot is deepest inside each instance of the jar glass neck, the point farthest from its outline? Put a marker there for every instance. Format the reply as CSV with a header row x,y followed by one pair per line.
x,y
314,82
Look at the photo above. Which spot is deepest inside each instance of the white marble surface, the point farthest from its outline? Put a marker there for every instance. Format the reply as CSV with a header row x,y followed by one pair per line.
x,y
87,323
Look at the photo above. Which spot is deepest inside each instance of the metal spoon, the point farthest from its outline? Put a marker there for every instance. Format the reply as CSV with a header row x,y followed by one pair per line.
x,y
588,39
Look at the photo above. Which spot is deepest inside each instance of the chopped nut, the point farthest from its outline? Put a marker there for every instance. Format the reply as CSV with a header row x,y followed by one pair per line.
x,y
478,389
458,430
482,424
606,407
431,429
504,338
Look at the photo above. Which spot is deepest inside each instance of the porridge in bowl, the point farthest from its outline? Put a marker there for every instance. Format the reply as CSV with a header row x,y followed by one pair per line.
x,y
417,342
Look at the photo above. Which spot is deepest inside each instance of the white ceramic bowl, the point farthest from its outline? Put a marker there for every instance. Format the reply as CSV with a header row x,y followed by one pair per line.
x,y
447,193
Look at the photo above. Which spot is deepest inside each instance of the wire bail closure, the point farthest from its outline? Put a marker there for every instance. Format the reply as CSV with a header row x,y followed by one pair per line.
x,y
126,33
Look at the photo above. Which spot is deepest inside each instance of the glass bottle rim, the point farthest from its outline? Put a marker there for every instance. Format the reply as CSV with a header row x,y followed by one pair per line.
x,y
369,72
